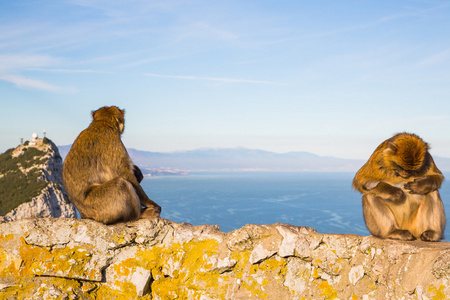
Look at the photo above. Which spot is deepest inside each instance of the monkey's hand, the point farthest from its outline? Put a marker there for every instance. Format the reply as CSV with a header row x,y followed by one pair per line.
x,y
370,185
421,186
389,192
137,173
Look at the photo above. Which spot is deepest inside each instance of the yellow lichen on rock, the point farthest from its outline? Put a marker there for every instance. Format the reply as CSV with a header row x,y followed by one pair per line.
x,y
106,292
64,262
188,273
327,291
438,293
9,264
5,238
82,259
180,270
32,257
21,290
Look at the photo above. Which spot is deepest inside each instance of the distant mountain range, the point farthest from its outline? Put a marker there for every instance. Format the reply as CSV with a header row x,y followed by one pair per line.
x,y
243,159
236,159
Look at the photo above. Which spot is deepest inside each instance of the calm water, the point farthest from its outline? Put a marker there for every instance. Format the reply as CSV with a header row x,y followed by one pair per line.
x,y
324,201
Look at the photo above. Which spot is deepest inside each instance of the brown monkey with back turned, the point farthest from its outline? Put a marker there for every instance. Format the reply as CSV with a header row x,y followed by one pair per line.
x,y
100,177
400,183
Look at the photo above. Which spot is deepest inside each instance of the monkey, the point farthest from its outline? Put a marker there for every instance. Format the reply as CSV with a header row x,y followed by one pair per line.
x,y
100,177
399,184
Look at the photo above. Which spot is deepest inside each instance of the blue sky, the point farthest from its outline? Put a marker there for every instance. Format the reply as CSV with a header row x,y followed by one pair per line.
x,y
331,77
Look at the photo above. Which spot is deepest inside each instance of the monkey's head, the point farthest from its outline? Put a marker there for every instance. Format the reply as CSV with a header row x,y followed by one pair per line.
x,y
405,154
112,115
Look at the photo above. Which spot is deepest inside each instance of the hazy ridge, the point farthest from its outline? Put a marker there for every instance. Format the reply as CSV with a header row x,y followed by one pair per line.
x,y
237,159
244,159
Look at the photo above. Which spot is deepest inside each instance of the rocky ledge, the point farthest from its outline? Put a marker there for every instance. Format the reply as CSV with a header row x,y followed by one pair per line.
x,y
82,259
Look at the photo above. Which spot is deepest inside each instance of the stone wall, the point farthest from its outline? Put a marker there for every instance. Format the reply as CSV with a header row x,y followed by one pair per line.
x,y
82,259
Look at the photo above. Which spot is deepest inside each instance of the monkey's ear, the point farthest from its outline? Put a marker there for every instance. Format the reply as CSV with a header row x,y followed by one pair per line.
x,y
94,112
121,120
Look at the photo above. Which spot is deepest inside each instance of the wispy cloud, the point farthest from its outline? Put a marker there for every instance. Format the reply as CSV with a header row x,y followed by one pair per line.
x,y
68,71
11,67
14,62
436,59
228,80
205,30
24,82
149,60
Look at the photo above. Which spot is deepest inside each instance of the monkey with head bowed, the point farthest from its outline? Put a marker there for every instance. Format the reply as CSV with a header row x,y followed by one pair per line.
x,y
400,183
99,176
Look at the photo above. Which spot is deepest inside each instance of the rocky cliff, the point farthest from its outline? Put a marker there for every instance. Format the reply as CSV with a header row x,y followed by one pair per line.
x,y
31,182
82,259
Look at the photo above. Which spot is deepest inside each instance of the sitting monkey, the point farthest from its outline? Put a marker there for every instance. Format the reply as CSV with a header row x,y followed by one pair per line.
x,y
400,185
100,177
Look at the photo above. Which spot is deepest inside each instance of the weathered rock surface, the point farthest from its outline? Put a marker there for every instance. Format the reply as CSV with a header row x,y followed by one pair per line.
x,y
82,259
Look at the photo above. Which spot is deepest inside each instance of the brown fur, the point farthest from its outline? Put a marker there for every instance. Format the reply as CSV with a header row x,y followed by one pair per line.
x,y
400,183
100,177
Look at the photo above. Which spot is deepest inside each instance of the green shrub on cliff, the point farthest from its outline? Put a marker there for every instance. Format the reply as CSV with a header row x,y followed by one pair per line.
x,y
18,180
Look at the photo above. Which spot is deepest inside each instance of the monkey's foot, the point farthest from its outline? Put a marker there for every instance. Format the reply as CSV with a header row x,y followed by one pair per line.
x,y
430,236
400,234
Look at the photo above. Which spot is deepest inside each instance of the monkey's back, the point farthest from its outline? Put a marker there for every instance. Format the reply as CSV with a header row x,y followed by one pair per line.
x,y
96,156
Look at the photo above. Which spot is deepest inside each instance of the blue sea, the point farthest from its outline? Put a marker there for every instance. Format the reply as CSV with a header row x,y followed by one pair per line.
x,y
324,201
